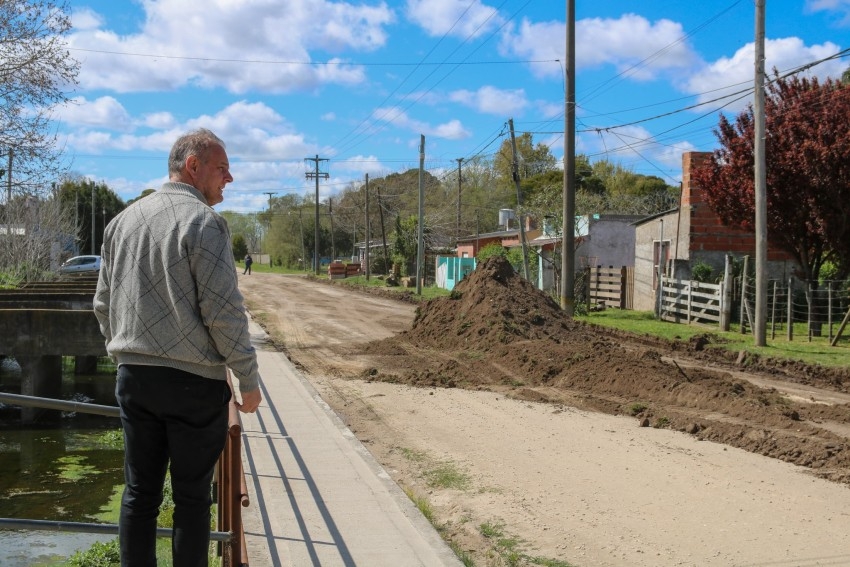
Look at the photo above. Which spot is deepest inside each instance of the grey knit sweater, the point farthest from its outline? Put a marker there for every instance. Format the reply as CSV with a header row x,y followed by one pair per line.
x,y
168,293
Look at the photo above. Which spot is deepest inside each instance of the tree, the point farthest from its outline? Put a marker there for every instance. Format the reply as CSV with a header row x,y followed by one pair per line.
x,y
76,194
36,232
531,160
248,227
240,249
807,151
35,68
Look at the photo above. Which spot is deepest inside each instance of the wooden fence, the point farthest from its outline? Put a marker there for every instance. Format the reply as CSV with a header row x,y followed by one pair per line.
x,y
687,301
611,287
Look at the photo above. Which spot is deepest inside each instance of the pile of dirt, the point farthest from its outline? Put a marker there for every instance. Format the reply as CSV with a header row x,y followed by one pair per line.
x,y
496,331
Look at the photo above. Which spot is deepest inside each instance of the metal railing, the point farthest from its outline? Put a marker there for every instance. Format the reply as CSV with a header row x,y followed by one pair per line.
x,y
231,489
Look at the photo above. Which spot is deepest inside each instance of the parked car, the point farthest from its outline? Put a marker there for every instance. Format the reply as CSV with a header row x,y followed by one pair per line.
x,y
79,264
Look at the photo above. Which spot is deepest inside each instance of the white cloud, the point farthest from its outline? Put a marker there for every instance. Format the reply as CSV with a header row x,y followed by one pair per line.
x,y
176,46
841,8
253,131
458,18
491,100
85,19
159,120
630,43
104,112
452,130
730,74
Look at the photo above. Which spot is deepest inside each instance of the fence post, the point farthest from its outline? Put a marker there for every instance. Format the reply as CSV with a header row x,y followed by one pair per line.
x,y
773,312
726,296
623,287
829,308
690,299
809,300
790,309
744,296
587,279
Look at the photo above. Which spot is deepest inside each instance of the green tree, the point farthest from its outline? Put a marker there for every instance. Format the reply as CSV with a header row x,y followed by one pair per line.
x,y
532,159
76,195
406,243
248,226
240,249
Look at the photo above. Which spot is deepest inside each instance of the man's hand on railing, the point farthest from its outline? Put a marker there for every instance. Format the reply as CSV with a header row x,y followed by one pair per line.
x,y
250,401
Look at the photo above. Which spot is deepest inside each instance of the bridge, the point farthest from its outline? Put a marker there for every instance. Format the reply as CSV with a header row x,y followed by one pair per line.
x,y
41,322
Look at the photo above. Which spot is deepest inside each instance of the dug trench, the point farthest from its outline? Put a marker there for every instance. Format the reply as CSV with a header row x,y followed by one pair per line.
x,y
497,334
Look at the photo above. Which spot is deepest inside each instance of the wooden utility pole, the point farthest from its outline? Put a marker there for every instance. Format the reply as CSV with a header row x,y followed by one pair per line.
x,y
368,229
316,175
459,180
383,230
568,258
420,240
760,315
333,238
520,215
92,217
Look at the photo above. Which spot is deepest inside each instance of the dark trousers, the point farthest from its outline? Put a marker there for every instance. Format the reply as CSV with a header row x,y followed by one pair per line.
x,y
169,416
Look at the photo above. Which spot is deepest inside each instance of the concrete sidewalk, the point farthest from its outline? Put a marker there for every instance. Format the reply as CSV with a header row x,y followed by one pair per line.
x,y
317,495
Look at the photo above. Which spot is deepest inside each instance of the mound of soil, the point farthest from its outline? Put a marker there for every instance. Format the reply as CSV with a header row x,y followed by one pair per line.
x,y
496,331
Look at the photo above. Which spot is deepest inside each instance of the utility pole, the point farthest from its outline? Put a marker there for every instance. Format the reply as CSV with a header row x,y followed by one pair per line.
x,y
568,257
515,174
92,217
270,194
316,175
269,222
459,180
333,238
387,268
420,241
368,229
760,316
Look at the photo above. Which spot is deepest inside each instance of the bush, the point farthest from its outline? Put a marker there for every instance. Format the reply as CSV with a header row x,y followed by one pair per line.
x,y
98,555
491,250
701,272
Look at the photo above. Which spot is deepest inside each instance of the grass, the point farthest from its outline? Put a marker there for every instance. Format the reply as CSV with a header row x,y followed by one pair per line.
x,y
509,550
447,476
816,351
428,292
106,554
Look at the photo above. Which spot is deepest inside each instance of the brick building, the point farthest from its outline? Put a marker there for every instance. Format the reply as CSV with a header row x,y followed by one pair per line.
x,y
689,235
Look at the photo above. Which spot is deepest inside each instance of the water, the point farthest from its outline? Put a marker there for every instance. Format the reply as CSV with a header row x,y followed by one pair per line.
x,y
65,467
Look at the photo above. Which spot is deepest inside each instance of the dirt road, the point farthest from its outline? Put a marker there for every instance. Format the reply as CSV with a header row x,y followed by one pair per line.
x,y
512,480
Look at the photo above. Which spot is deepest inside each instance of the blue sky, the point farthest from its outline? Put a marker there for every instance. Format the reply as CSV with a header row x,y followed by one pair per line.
x,y
358,82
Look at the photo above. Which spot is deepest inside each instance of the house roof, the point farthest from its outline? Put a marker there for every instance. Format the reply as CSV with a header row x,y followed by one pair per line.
x,y
655,216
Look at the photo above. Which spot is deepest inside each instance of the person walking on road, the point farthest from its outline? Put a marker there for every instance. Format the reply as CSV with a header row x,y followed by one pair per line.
x,y
248,262
169,307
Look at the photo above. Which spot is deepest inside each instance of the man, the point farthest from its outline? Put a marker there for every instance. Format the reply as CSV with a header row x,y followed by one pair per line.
x,y
248,262
168,304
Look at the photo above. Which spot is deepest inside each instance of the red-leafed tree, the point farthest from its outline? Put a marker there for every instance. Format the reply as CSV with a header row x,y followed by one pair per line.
x,y
807,153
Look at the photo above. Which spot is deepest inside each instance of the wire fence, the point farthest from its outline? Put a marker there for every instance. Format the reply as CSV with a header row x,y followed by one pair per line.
x,y
815,309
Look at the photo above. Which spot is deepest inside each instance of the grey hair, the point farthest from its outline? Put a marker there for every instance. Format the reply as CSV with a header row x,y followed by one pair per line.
x,y
195,143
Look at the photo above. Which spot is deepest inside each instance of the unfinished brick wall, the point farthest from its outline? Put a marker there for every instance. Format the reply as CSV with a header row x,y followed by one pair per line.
x,y
707,232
